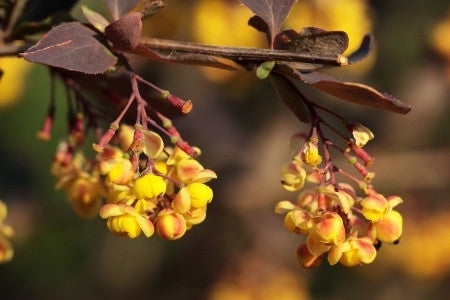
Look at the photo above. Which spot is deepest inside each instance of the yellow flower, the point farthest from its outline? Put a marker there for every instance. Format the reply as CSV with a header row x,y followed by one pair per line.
x,y
293,176
149,186
361,134
6,250
124,220
84,193
374,207
310,153
353,252
200,194
390,228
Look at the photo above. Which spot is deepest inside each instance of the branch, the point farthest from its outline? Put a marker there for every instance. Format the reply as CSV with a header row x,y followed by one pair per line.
x,y
243,53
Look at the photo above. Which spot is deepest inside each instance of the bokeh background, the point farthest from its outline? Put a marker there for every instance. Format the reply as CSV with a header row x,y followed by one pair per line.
x,y
242,251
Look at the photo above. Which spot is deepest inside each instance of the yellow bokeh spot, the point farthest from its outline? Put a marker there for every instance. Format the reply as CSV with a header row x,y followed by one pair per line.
x,y
224,23
13,79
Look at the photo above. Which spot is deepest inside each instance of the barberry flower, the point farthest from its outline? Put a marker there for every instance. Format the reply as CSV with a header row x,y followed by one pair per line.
x,y
6,249
125,220
170,225
361,134
374,207
200,194
293,176
353,252
310,153
149,186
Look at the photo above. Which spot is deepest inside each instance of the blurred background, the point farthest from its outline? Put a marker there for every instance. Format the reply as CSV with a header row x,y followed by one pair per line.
x,y
242,250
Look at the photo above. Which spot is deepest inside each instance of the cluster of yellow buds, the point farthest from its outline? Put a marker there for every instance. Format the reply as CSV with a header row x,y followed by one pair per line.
x,y
137,184
334,218
6,250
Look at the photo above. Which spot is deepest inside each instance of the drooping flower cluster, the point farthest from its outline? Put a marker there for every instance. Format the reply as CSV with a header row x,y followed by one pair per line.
x,y
336,221
6,231
144,185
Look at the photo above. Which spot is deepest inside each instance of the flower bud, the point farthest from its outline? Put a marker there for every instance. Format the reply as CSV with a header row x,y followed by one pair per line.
x,y
170,225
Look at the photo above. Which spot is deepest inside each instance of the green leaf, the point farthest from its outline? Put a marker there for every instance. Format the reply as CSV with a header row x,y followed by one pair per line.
x,y
96,19
264,69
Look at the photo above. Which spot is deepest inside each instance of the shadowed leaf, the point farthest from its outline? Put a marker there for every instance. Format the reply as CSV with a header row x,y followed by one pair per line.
x,y
72,46
182,57
289,96
96,19
363,50
312,39
125,33
352,92
273,12
118,8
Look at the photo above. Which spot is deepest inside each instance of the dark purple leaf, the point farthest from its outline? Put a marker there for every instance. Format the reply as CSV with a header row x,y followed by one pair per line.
x,y
312,39
125,33
182,57
259,24
363,50
72,46
352,92
289,96
273,12
118,8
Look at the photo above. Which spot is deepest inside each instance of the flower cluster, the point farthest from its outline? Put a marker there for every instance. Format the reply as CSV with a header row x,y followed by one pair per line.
x,y
6,250
335,219
145,186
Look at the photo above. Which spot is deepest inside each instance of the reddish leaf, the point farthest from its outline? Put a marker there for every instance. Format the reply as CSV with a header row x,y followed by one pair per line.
x,y
125,33
118,8
273,12
181,57
72,46
352,92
